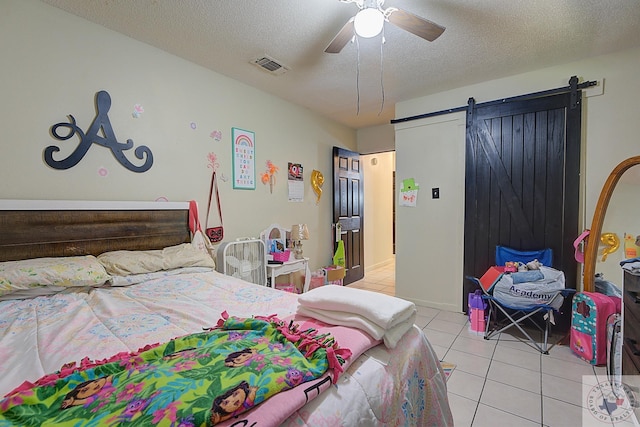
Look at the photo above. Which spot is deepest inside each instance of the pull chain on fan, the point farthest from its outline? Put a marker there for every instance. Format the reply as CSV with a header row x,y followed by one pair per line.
x,y
382,72
381,75
357,78
369,22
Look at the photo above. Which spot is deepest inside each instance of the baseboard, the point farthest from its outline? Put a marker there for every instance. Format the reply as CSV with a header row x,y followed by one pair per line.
x,y
431,304
378,265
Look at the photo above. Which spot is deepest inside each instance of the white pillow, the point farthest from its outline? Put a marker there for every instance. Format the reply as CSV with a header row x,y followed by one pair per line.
x,y
124,263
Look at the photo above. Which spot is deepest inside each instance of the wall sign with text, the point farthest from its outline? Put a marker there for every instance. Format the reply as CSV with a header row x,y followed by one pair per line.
x,y
244,159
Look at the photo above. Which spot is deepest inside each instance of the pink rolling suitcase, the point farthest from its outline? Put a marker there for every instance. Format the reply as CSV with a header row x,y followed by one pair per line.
x,y
589,314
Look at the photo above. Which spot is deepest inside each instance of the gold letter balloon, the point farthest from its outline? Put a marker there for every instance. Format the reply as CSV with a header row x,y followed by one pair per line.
x,y
317,179
611,244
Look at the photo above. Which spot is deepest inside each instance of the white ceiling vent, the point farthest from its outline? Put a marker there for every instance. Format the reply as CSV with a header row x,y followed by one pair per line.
x,y
270,65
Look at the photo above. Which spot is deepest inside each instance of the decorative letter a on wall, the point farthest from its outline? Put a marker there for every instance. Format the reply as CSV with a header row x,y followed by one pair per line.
x,y
100,126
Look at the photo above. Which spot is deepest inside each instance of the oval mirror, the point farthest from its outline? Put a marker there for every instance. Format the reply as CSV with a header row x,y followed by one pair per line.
x,y
602,243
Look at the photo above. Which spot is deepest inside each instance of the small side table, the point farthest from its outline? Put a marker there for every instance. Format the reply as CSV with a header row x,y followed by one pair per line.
x,y
288,267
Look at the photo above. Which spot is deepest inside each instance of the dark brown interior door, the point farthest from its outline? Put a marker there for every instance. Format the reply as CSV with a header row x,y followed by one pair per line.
x,y
348,210
522,182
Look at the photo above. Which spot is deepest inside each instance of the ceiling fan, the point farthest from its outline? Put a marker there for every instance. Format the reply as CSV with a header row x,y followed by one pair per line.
x,y
368,22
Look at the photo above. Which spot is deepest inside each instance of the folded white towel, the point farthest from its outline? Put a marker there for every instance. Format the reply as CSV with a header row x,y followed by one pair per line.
x,y
344,319
393,335
383,310
390,336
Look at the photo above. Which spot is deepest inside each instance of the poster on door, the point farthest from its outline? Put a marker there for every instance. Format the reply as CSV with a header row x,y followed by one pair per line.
x,y
244,159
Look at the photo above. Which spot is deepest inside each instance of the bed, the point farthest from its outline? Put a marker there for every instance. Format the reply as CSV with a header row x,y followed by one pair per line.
x,y
53,334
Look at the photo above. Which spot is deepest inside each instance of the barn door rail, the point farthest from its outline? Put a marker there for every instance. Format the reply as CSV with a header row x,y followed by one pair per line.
x,y
573,88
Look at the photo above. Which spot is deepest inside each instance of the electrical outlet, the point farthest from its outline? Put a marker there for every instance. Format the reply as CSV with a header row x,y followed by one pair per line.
x,y
435,193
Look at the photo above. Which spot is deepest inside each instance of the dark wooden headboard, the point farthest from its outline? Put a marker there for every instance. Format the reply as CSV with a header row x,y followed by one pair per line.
x,y
48,228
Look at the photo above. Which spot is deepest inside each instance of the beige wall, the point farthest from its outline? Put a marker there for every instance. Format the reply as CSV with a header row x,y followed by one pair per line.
x,y
54,63
376,139
430,237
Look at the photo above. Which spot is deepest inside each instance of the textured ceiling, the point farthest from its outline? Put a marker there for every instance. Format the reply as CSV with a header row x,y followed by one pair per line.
x,y
484,40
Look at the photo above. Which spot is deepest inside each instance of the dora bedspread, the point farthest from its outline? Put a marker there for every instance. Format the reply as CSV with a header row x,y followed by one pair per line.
x,y
38,336
199,379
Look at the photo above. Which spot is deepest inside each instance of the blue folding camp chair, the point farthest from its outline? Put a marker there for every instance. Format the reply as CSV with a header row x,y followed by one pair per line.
x,y
514,316
505,254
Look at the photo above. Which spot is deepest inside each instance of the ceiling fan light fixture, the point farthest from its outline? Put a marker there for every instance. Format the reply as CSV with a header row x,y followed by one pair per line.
x,y
368,22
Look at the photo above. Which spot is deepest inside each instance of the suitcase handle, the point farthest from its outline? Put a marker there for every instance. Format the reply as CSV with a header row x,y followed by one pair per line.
x,y
632,343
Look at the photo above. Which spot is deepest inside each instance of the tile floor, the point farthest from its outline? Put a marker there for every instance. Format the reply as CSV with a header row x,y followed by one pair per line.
x,y
502,382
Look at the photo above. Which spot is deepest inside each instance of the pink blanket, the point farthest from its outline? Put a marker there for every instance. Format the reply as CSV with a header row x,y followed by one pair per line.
x,y
279,407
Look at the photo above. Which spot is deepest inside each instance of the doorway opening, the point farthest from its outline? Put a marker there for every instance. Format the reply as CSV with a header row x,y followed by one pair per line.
x,y
380,206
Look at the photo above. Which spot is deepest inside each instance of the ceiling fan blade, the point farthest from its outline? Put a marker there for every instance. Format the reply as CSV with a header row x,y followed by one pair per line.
x,y
342,38
414,24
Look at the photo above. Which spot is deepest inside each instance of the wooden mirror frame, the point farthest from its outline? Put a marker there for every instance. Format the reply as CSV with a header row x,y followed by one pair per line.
x,y
591,251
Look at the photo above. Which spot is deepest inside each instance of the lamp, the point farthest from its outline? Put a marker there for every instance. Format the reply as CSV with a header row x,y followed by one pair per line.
x,y
368,22
299,232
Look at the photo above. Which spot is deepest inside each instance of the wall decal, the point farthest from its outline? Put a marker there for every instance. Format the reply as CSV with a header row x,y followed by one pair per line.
x,y
137,111
216,135
269,176
244,161
103,172
100,126
213,161
193,125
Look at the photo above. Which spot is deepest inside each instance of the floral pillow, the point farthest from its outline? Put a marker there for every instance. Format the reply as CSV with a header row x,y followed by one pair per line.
x,y
63,271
